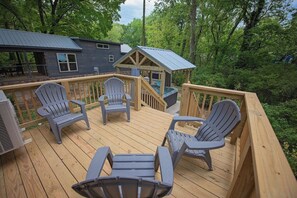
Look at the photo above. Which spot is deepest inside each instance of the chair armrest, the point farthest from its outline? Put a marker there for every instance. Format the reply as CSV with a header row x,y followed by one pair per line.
x,y
207,145
78,102
183,118
128,97
44,112
102,98
101,101
98,161
163,159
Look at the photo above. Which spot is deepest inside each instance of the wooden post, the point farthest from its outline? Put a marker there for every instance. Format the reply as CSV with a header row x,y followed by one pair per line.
x,y
151,77
68,94
243,183
28,65
162,87
185,100
238,130
188,76
137,59
137,97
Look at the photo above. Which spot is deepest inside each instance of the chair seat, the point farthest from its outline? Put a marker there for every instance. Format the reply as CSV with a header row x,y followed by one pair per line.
x,y
116,108
134,165
177,139
68,118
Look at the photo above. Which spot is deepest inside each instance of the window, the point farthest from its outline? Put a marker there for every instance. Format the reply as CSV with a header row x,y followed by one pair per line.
x,y
102,46
111,58
67,62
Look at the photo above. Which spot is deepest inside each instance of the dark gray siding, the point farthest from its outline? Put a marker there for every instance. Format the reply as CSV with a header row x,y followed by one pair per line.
x,y
87,59
93,57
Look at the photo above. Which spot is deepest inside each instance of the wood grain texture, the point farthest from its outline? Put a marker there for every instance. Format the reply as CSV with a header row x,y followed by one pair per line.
x,y
2,181
46,175
13,182
31,182
273,175
59,166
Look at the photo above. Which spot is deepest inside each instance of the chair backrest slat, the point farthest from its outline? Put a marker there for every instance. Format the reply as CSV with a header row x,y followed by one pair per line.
x,y
129,188
114,90
124,187
110,187
223,118
53,97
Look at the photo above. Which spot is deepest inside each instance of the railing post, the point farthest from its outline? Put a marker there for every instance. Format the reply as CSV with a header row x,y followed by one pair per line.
x,y
238,130
137,96
243,183
68,94
185,99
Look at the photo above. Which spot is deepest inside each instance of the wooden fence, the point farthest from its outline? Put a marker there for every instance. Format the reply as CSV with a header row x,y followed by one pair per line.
x,y
87,89
261,168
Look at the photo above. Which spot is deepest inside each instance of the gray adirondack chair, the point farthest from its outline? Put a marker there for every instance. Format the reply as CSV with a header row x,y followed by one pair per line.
x,y
132,175
223,118
55,108
114,92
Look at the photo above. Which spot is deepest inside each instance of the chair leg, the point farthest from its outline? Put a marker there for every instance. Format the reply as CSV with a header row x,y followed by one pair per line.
x,y
57,134
104,118
208,160
87,123
164,141
128,115
178,155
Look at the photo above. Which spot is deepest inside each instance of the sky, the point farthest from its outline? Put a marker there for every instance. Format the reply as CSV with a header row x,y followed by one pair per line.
x,y
133,9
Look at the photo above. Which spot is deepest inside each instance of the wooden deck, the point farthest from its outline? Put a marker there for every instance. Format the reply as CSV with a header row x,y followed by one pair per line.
x,y
45,169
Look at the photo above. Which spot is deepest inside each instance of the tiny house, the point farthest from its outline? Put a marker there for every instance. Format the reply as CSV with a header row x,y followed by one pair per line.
x,y
56,55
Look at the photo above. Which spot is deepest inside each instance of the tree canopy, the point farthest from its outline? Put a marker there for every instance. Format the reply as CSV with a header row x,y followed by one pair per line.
x,y
87,18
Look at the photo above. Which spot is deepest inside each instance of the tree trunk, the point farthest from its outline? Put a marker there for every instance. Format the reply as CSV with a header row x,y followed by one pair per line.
x,y
193,15
41,16
250,20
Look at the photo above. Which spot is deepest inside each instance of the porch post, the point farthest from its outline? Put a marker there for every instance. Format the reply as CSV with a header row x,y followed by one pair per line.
x,y
162,87
137,97
188,73
28,65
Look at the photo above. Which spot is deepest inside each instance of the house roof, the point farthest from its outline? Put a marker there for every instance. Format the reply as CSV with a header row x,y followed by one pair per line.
x,y
95,41
125,48
165,58
16,39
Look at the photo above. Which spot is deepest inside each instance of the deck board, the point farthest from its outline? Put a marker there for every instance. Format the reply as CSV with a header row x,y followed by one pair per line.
x,y
44,168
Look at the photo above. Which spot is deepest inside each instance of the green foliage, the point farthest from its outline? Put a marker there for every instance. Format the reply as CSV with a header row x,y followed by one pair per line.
x,y
132,33
116,33
283,118
273,83
206,76
178,78
70,17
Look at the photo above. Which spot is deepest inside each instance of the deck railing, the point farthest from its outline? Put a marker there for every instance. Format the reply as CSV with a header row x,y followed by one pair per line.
x,y
261,168
87,89
150,97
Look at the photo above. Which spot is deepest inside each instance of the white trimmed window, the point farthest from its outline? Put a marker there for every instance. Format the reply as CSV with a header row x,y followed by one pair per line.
x,y
67,62
102,46
111,58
